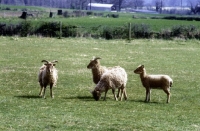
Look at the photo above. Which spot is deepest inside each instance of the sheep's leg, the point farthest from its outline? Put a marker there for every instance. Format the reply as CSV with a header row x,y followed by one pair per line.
x,y
167,91
113,91
122,92
125,94
147,99
105,95
41,91
44,91
51,92
118,92
149,95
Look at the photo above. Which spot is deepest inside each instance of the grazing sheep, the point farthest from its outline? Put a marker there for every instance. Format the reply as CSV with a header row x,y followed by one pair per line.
x,y
116,78
98,70
47,76
154,82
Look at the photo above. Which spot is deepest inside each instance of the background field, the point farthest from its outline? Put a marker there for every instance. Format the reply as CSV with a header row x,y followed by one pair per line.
x,y
11,17
92,21
73,107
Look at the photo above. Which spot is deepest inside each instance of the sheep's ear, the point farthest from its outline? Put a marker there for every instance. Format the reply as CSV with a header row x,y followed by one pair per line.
x,y
142,66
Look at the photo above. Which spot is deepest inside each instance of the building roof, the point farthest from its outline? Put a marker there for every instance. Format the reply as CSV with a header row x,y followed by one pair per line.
x,y
100,5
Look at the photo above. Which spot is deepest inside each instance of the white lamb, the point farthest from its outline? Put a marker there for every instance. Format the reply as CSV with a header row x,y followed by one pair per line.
x,y
154,82
47,76
115,78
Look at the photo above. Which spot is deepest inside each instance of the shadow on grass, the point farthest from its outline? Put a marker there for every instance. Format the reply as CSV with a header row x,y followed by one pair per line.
x,y
142,101
83,98
28,97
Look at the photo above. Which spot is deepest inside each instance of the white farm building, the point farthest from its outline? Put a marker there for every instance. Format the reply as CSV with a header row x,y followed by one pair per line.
x,y
101,7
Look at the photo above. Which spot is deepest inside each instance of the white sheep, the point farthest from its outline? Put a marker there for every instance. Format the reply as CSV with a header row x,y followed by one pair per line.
x,y
116,78
47,76
154,82
98,70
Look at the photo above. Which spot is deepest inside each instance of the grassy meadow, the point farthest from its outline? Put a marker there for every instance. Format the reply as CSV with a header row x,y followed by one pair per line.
x,y
73,107
87,22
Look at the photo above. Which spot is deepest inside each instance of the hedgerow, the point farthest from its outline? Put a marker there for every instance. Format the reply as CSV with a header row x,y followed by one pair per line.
x,y
55,29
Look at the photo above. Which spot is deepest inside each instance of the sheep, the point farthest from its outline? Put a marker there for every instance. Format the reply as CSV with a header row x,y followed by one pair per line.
x,y
98,70
154,82
116,78
47,76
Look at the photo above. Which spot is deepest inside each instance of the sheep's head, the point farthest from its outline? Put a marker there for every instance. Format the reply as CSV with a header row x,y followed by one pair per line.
x,y
139,69
49,65
94,63
96,94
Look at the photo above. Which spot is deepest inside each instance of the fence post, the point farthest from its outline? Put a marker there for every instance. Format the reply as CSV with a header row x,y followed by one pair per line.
x,y
129,33
60,34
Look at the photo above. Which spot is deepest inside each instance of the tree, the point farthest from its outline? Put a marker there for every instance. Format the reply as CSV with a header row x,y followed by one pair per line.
x,y
117,3
159,5
195,9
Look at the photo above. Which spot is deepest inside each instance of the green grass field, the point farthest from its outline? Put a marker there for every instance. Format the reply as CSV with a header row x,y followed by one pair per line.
x,y
73,107
92,22
88,22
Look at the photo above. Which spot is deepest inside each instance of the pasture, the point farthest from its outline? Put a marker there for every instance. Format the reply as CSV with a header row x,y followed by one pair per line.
x,y
73,107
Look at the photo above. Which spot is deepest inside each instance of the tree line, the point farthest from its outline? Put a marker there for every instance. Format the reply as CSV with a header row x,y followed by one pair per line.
x,y
73,4
82,4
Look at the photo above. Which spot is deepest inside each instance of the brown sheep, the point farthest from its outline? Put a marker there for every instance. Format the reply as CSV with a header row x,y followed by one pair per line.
x,y
97,69
154,82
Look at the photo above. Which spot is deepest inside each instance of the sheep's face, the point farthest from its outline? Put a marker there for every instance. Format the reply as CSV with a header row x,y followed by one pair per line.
x,y
139,69
96,95
93,64
50,67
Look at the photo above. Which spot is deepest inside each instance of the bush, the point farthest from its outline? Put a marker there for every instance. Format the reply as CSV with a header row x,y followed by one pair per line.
x,y
52,29
107,33
25,29
49,29
69,31
184,31
165,34
113,15
120,32
141,31
10,30
66,14
7,8
89,13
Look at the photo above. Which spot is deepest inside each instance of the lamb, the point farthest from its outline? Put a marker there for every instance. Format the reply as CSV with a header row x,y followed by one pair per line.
x,y
154,82
47,76
116,78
